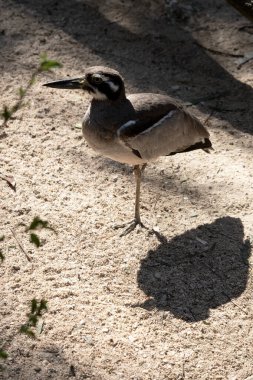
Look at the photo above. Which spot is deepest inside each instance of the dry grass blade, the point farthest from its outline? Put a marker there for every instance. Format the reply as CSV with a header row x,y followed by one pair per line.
x,y
10,181
248,57
20,245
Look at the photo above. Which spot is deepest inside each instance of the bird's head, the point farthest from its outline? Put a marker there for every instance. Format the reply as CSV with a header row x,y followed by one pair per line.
x,y
102,83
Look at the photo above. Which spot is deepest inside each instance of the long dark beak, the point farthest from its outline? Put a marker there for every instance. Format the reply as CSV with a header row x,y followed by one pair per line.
x,y
71,84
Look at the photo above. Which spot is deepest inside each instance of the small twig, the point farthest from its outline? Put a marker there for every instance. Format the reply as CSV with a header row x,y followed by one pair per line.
x,y
234,303
248,57
223,291
206,98
10,181
245,28
218,52
183,368
155,203
208,117
218,231
219,109
19,244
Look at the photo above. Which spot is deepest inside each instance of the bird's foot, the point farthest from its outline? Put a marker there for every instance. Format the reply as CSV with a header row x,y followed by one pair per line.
x,y
130,226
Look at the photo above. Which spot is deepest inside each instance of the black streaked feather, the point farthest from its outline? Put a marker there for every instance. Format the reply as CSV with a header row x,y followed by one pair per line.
x,y
199,145
136,152
147,121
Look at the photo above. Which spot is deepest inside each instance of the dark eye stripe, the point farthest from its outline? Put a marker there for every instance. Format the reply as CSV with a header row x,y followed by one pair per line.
x,y
108,84
97,79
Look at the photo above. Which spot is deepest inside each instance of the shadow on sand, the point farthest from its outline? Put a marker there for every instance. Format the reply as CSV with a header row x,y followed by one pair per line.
x,y
197,271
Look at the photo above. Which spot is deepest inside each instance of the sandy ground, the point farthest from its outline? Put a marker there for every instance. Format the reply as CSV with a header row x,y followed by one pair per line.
x,y
175,305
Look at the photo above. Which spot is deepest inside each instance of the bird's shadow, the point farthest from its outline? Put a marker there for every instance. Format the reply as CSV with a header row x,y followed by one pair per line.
x,y
197,271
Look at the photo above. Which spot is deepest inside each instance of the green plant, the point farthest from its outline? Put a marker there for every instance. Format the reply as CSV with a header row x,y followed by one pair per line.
x,y
3,355
1,252
37,224
37,308
45,65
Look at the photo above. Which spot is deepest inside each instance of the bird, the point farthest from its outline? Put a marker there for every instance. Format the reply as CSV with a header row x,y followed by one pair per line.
x,y
134,129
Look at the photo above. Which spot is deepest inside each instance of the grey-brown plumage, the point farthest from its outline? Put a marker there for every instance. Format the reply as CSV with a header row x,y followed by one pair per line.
x,y
137,128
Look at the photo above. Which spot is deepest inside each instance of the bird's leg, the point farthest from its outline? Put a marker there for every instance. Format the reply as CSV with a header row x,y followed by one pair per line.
x,y
137,219
137,173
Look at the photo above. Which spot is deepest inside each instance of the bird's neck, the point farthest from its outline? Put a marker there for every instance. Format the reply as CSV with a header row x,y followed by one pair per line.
x,y
104,101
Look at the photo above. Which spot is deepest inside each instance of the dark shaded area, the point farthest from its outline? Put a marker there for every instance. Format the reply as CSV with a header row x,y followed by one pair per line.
x,y
197,271
244,7
161,52
44,363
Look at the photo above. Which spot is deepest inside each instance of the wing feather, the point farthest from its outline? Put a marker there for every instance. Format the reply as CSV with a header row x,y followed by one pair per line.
x,y
175,132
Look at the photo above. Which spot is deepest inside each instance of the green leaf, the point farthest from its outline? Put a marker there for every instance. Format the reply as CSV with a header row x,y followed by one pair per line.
x,y
48,64
39,223
3,354
33,319
25,329
22,92
43,306
1,255
32,80
6,113
36,223
35,240
34,305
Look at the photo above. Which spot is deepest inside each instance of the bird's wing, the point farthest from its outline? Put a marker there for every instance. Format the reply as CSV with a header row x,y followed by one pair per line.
x,y
176,132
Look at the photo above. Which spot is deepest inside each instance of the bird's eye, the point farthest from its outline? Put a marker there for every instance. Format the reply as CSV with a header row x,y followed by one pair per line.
x,y
97,79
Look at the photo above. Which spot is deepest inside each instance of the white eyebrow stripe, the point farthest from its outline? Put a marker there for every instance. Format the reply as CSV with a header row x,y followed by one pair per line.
x,y
105,78
114,87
